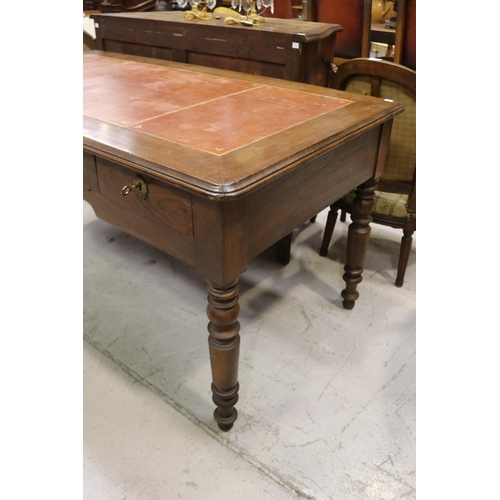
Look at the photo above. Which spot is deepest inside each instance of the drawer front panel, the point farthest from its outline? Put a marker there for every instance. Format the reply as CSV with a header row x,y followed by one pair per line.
x,y
165,204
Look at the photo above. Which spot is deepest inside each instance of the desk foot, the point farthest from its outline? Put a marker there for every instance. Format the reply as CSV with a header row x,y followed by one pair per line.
x,y
225,414
350,297
224,346
282,250
357,241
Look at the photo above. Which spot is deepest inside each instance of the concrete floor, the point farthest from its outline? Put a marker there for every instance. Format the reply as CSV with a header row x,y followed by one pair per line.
x,y
327,398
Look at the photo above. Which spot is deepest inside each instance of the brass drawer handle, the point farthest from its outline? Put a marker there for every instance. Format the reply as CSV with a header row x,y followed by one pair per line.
x,y
138,186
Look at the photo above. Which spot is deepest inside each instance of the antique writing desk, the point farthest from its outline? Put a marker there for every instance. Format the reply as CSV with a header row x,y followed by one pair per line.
x,y
281,48
223,167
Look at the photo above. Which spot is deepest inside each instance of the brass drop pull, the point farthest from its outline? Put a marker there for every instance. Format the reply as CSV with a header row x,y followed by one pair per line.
x,y
138,186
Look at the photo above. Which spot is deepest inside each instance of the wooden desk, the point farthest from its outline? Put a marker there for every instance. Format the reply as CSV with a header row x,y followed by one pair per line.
x,y
232,163
281,48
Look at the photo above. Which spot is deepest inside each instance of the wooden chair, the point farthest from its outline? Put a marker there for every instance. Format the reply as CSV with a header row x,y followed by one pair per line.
x,y
395,197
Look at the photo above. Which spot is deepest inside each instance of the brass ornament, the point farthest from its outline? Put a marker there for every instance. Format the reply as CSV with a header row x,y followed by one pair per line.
x,y
138,186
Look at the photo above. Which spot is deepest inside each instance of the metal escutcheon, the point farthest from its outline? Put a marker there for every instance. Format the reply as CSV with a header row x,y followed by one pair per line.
x,y
138,186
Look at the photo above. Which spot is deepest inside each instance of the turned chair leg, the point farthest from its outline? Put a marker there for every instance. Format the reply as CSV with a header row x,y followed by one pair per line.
x,y
342,215
329,227
404,255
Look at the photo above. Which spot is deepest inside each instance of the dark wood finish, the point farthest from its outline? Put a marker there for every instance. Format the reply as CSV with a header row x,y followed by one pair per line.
x,y
357,241
167,205
224,347
402,37
320,180
361,207
88,42
282,249
90,181
288,49
127,6
245,190
400,32
89,5
355,17
406,48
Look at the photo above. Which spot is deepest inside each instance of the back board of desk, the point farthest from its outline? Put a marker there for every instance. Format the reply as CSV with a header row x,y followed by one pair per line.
x,y
280,48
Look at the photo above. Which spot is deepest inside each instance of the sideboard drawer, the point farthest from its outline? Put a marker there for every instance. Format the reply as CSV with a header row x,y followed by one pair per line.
x,y
165,204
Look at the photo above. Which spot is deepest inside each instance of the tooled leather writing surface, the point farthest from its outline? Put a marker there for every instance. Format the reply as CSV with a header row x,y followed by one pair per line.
x,y
215,132
204,112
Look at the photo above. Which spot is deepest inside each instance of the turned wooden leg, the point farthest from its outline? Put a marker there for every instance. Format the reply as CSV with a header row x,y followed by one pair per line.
x,y
357,241
404,255
282,249
224,346
329,227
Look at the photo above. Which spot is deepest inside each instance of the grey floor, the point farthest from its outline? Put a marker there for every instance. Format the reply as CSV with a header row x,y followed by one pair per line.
x,y
327,398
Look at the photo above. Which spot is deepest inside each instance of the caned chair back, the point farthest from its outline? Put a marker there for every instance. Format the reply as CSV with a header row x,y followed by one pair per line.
x,y
395,196
389,81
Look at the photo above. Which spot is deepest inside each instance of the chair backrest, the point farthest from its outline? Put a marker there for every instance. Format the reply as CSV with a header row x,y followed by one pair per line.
x,y
389,81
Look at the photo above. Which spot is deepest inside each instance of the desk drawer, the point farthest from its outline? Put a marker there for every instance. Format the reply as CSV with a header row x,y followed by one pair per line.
x,y
165,204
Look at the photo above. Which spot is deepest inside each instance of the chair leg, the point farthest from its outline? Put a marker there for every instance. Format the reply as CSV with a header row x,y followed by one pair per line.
x,y
404,255
342,216
330,226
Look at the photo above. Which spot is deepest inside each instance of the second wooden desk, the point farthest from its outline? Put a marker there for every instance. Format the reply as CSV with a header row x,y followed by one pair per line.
x,y
288,49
